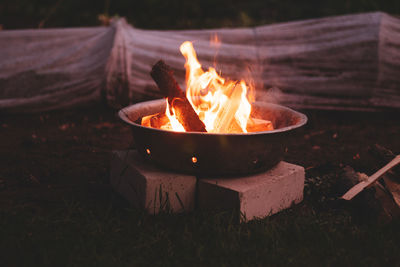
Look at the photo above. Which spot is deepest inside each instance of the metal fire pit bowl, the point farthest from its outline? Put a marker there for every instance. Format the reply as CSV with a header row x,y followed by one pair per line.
x,y
214,154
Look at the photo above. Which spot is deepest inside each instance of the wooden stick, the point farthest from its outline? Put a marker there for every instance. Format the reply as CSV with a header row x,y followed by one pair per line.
x,y
163,75
355,190
226,114
391,183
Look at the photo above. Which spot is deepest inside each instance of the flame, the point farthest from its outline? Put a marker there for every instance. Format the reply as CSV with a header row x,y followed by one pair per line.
x,y
222,104
215,41
174,125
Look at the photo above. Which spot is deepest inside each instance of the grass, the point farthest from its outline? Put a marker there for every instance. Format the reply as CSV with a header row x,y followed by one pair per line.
x,y
68,214
78,235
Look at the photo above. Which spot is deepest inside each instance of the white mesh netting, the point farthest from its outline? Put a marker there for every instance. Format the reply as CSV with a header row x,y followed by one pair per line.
x,y
344,62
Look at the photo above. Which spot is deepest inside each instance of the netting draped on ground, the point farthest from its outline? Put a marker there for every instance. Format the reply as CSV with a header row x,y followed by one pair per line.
x,y
343,62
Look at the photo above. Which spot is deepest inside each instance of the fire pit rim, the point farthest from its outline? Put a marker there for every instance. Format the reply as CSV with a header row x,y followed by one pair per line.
x,y
124,115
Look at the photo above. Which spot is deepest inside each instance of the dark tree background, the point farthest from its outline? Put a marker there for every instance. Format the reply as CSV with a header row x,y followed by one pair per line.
x,y
175,14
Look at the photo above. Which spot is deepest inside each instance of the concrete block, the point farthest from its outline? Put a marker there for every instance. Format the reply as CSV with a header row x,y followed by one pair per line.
x,y
256,196
148,187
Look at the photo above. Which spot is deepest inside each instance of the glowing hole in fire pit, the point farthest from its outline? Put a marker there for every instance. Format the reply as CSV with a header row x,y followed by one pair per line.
x,y
194,159
148,151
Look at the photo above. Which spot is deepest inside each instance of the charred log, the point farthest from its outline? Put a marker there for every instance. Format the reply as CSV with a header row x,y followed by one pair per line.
x,y
163,75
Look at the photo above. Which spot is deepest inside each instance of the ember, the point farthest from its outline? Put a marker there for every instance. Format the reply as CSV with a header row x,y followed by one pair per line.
x,y
211,104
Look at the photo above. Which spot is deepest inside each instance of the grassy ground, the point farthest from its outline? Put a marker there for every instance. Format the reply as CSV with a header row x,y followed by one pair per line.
x,y
160,14
57,206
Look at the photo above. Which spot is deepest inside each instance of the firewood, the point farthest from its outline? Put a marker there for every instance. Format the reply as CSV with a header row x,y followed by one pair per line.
x,y
158,120
155,121
145,121
228,111
371,180
393,185
235,127
392,178
163,76
258,125
187,116
374,201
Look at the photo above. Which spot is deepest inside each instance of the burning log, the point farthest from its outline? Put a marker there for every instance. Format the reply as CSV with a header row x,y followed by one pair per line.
x,y
227,112
155,121
259,125
163,76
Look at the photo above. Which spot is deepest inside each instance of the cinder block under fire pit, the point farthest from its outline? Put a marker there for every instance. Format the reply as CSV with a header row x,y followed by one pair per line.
x,y
150,188
255,196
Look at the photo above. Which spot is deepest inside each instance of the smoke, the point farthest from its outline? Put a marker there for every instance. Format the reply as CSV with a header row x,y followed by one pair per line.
x,y
249,69
271,95
253,75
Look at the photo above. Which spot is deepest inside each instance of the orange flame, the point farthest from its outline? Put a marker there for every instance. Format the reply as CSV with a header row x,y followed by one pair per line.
x,y
221,104
174,125
215,41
